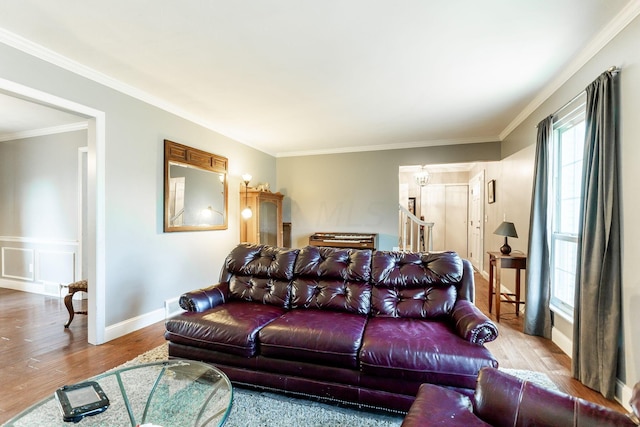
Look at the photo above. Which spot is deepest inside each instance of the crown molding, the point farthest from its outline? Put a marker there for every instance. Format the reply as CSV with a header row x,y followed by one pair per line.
x,y
610,31
398,146
27,46
44,131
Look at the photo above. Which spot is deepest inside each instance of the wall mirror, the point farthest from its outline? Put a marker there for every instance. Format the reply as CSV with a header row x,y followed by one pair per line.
x,y
195,189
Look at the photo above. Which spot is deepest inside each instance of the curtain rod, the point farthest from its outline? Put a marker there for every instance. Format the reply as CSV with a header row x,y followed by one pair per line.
x,y
612,69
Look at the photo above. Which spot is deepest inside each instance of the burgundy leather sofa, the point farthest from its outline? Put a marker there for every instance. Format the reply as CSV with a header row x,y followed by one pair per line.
x,y
503,400
351,325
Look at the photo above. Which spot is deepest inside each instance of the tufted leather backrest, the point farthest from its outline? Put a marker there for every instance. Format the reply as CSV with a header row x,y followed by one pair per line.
x,y
414,284
260,273
332,278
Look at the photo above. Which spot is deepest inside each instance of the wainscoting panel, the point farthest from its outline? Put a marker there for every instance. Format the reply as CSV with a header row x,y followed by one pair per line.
x,y
17,263
56,266
38,265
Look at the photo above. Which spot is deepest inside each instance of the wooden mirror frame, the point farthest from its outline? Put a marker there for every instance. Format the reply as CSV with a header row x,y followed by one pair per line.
x,y
181,155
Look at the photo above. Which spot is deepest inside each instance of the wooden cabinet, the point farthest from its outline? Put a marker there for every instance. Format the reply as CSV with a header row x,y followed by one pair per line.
x,y
265,224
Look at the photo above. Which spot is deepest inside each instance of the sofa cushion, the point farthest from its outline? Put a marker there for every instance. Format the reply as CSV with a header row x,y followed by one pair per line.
x,y
391,268
260,273
422,303
421,350
413,284
232,327
332,278
320,336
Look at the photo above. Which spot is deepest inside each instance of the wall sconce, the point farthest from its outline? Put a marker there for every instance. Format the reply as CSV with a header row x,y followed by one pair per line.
x,y
246,212
506,229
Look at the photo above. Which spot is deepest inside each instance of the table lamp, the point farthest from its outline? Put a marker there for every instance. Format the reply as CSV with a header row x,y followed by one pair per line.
x,y
506,229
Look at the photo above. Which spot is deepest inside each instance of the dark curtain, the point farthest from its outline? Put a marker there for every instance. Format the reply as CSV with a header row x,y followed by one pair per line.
x,y
597,314
537,318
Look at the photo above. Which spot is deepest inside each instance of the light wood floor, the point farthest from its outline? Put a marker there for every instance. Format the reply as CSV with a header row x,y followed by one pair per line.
x,y
38,355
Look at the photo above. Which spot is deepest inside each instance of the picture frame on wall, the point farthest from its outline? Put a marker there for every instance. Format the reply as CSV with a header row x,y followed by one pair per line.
x,y
491,191
412,205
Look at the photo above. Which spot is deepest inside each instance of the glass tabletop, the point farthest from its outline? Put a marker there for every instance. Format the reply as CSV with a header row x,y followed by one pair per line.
x,y
167,393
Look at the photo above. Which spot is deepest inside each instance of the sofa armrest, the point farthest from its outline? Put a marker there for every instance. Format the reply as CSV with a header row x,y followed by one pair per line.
x,y
439,406
204,299
472,325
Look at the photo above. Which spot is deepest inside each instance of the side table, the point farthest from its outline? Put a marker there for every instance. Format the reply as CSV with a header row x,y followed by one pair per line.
x,y
498,260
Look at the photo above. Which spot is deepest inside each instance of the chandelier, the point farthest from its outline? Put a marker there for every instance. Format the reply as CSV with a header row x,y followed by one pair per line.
x,y
422,177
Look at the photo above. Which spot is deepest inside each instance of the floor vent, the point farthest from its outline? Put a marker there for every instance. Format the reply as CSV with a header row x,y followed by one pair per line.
x,y
171,307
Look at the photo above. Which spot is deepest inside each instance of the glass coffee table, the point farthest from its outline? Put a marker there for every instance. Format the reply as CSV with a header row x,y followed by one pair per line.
x,y
167,393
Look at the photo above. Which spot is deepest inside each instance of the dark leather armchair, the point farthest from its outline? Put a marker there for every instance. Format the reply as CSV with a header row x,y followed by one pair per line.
x,y
501,399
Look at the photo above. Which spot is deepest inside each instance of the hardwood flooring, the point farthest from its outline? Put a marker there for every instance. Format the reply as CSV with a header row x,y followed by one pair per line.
x,y
38,355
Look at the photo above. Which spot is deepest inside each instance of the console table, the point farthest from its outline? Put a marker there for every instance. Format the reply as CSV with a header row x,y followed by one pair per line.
x,y
498,261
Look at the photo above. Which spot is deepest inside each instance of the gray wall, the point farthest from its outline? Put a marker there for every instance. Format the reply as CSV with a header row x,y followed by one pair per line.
x,y
348,192
39,186
357,192
518,148
144,266
39,212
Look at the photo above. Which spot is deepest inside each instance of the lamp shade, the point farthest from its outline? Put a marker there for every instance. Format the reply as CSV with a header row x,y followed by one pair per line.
x,y
506,229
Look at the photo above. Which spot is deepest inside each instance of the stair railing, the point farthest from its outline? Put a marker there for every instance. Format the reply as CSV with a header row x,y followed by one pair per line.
x,y
410,240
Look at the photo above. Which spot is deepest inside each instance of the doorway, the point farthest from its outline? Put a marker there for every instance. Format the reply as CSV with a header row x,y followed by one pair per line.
x,y
95,227
453,199
476,221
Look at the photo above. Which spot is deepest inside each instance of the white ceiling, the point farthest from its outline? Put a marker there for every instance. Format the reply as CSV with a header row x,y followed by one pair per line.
x,y
301,77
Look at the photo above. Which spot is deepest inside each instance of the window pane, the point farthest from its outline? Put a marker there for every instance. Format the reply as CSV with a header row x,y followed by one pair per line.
x,y
568,145
564,270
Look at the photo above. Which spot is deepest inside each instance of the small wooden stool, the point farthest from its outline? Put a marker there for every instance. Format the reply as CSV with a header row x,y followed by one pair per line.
x,y
80,286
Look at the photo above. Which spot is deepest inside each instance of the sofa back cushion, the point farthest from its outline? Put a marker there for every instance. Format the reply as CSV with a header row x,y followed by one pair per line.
x,y
260,273
332,278
414,284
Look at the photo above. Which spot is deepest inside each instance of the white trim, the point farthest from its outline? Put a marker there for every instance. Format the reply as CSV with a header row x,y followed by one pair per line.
x,y
562,341
31,287
398,146
96,182
82,152
36,240
38,262
621,20
623,394
31,268
562,313
48,55
131,325
44,131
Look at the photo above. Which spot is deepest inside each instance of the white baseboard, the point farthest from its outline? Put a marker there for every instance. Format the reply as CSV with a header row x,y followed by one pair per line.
x,y
562,341
131,325
42,288
623,394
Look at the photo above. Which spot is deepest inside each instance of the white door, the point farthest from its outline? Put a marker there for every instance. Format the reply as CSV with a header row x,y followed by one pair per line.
x,y
446,206
476,223
456,200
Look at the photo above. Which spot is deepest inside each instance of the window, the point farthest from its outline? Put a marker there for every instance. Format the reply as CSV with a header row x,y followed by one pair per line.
x,y
565,202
